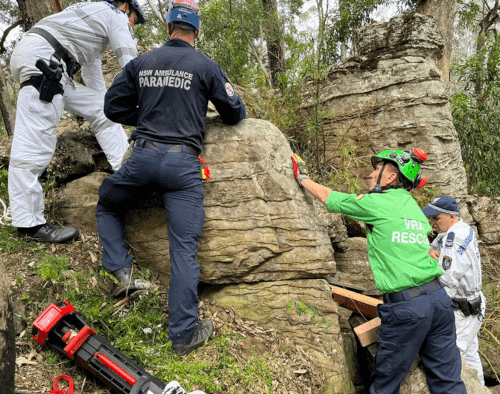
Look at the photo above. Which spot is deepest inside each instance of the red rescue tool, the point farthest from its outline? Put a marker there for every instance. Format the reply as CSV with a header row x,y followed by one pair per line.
x,y
63,330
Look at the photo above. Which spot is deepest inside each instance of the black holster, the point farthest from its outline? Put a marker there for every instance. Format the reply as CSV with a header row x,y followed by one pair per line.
x,y
468,308
49,85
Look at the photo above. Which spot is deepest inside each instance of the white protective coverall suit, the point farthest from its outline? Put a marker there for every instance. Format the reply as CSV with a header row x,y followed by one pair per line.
x,y
85,30
461,263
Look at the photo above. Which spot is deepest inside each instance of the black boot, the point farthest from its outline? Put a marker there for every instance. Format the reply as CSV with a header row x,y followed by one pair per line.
x,y
126,285
203,330
49,232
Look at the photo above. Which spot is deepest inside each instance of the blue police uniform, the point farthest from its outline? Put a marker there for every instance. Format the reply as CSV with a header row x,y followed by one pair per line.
x,y
165,94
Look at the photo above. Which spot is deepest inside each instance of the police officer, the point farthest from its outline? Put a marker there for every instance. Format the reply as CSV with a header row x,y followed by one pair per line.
x,y
44,62
165,94
457,252
417,314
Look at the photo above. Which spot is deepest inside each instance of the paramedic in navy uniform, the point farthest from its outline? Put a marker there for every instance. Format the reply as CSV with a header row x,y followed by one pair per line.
x,y
165,94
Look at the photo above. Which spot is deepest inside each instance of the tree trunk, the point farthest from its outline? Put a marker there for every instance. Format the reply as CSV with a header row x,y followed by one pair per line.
x,y
489,20
443,12
7,336
6,105
31,12
273,39
34,10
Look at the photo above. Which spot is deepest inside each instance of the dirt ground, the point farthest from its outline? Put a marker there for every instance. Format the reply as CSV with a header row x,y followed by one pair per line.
x,y
35,375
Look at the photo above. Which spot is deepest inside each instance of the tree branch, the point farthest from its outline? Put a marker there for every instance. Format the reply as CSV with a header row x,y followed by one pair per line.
x,y
155,10
6,33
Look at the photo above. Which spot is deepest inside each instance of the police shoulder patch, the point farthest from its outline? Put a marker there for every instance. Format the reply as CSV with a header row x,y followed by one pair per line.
x,y
229,89
447,260
360,196
449,240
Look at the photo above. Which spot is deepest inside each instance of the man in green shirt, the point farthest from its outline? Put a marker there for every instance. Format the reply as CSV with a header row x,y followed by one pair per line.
x,y
417,314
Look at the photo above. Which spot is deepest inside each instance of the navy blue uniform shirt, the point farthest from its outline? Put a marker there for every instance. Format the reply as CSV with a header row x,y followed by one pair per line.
x,y
165,94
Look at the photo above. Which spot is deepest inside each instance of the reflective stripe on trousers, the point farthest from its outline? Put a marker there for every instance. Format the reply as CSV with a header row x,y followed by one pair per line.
x,y
34,141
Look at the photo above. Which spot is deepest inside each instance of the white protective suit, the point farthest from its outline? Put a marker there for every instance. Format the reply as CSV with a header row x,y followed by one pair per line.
x,y
85,30
461,263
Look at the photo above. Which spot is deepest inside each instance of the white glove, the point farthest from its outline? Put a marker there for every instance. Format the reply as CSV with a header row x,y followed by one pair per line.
x,y
175,388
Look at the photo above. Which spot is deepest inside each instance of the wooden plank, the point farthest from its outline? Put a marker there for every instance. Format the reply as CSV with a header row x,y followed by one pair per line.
x,y
367,306
367,333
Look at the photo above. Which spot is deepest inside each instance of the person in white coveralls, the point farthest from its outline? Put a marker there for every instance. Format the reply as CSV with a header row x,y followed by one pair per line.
x,y
44,62
456,250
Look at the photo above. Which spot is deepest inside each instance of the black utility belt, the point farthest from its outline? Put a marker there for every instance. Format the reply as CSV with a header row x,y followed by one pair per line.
x,y
468,308
173,149
412,292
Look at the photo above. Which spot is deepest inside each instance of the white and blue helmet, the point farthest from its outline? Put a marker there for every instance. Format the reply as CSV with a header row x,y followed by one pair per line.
x,y
134,6
186,12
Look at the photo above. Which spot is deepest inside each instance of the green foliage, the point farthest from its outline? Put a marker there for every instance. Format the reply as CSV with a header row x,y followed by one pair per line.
x,y
345,178
303,307
140,331
425,195
468,13
152,33
10,242
4,195
50,267
234,35
229,32
476,117
53,357
351,15
492,293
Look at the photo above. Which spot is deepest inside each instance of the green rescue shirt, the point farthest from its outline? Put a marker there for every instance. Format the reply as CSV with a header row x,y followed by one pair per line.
x,y
398,248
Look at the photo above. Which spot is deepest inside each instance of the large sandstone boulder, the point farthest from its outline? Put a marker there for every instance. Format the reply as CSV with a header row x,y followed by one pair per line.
x,y
259,225
300,309
391,96
486,211
353,267
77,153
79,200
416,380
337,230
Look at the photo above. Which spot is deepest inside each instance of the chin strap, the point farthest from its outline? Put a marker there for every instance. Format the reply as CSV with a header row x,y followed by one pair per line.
x,y
381,189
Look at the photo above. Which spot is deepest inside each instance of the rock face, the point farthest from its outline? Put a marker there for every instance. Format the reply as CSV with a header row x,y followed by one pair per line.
x,y
391,96
353,267
80,199
486,211
416,380
259,225
302,309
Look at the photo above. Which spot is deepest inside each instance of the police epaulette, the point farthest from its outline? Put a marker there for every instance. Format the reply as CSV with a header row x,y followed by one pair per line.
x,y
449,240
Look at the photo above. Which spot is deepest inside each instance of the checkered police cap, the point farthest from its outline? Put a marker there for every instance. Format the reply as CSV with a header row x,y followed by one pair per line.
x,y
443,204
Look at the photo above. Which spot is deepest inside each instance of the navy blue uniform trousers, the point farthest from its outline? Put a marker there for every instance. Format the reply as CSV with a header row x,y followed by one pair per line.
x,y
423,325
177,178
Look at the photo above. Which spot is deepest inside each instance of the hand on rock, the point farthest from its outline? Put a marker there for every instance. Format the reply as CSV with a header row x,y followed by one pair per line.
x,y
299,168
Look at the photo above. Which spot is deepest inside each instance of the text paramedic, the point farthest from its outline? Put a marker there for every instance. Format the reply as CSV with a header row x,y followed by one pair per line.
x,y
171,78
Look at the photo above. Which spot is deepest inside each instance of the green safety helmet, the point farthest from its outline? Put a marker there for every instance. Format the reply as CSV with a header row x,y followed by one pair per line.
x,y
407,164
